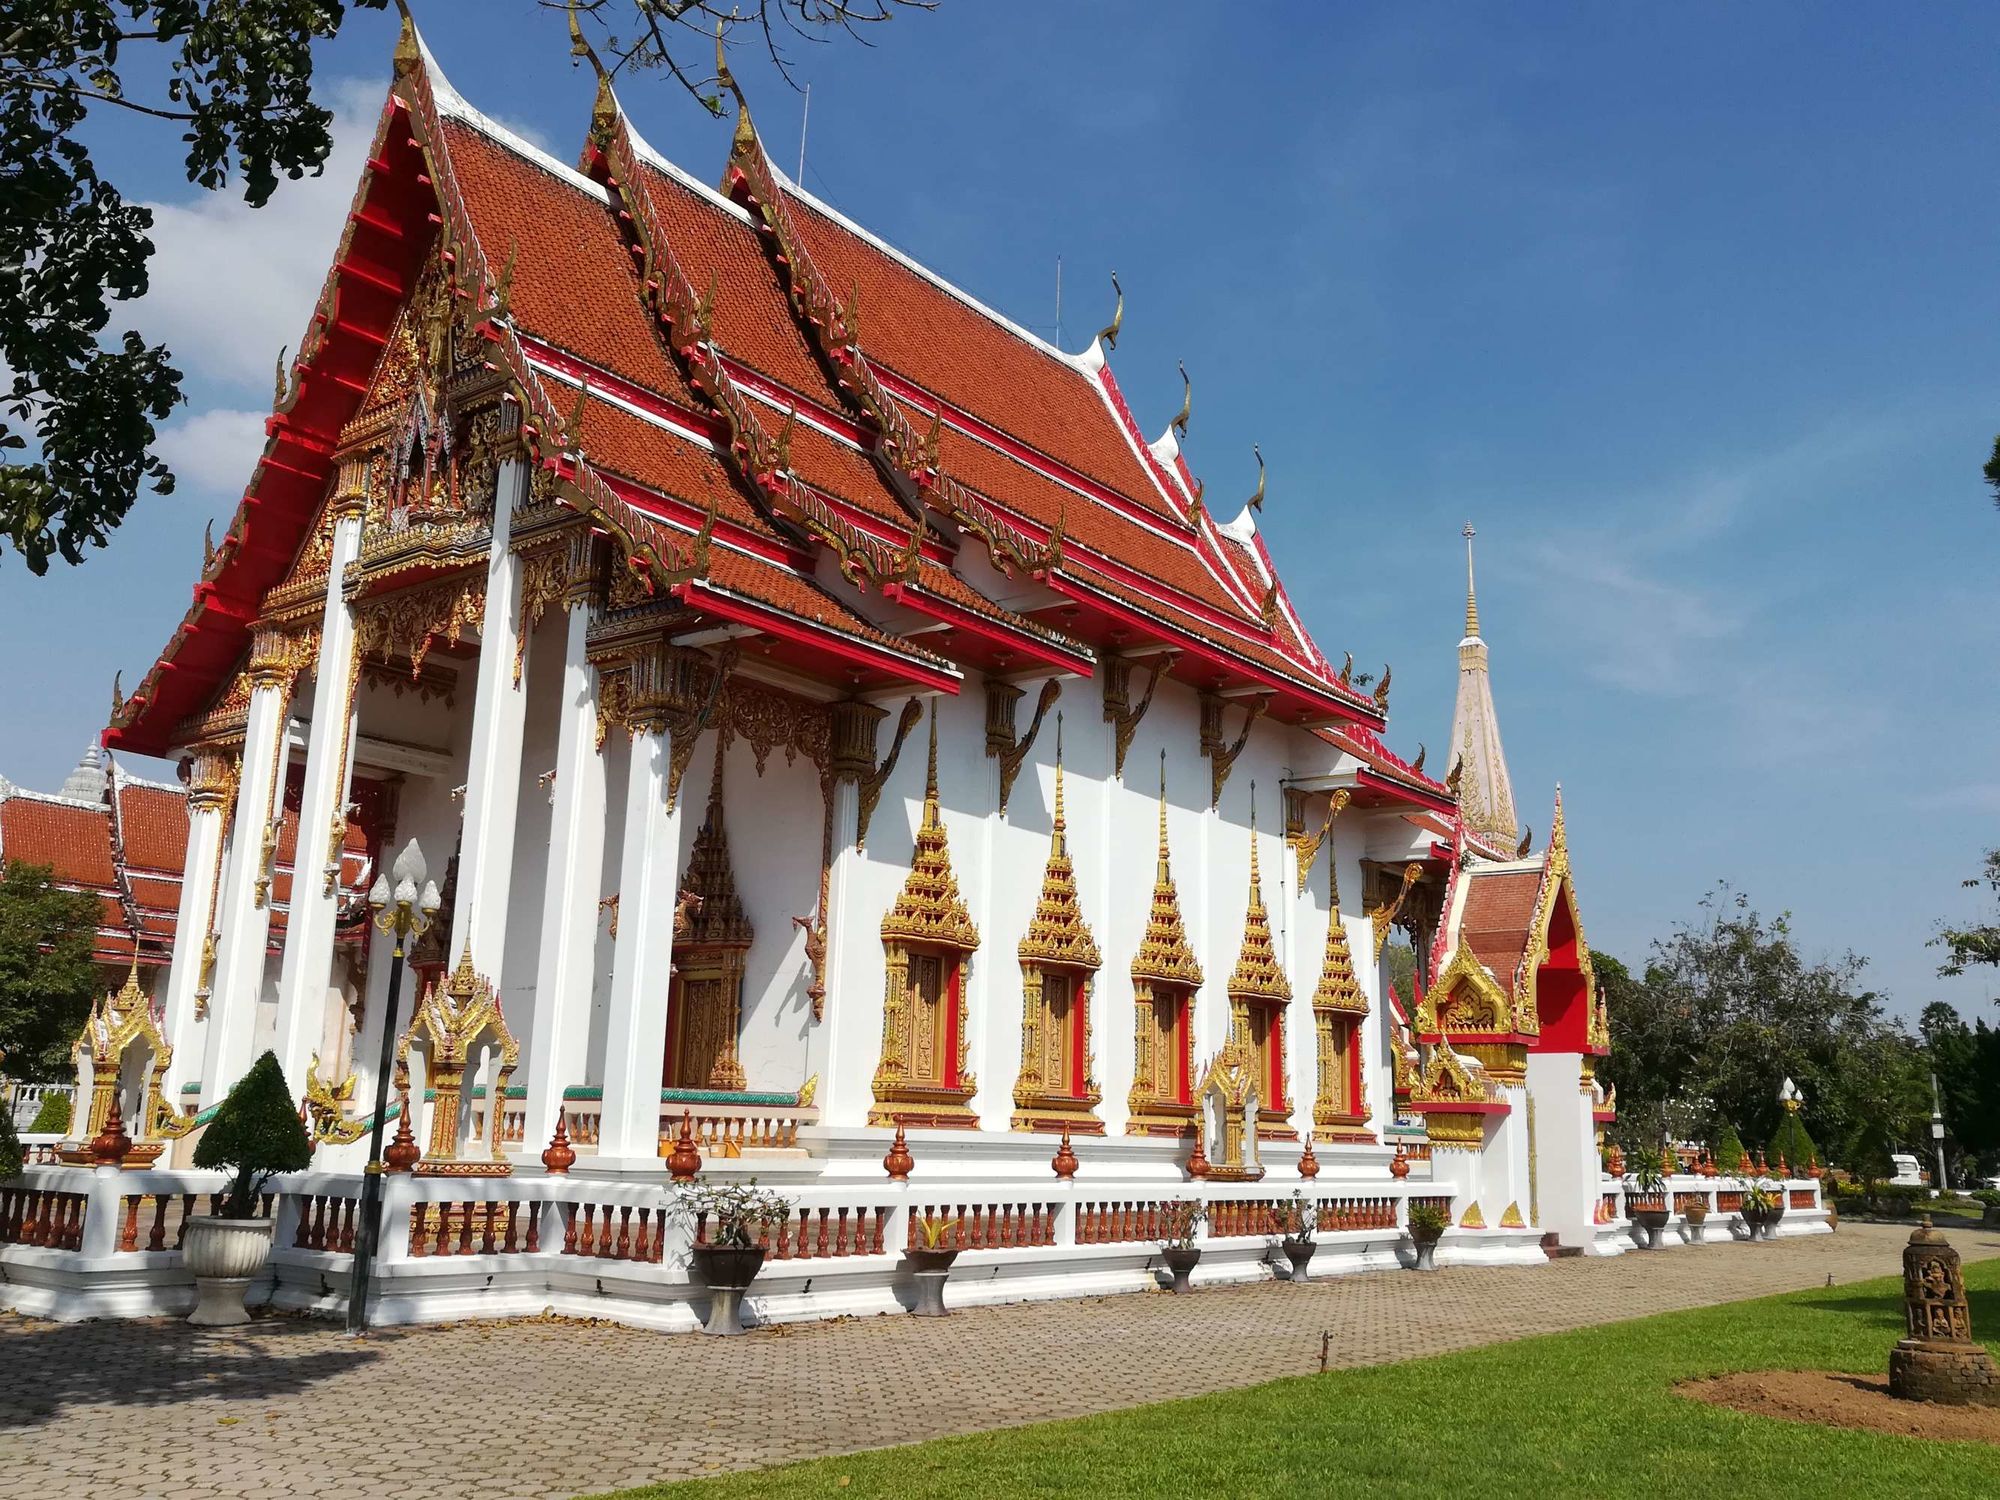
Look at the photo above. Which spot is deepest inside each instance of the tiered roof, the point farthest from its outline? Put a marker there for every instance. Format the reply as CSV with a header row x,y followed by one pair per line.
x,y
1057,933
1164,955
929,908
1258,974
753,361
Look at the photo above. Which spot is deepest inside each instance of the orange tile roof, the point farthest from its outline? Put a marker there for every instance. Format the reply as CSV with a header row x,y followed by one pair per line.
x,y
1498,917
913,327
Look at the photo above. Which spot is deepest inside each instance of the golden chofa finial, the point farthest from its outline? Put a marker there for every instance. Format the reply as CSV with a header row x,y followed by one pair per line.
x,y
579,45
1257,500
1180,422
1108,334
746,133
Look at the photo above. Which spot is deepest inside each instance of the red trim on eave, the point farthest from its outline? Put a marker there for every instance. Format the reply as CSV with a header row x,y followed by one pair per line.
x,y
731,606
1208,651
690,518
1402,791
971,621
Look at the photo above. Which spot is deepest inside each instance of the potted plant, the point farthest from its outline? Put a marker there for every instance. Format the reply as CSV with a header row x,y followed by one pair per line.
x,y
1646,1197
254,1136
1429,1219
1694,1211
1179,1219
1297,1221
1761,1209
733,1223
930,1265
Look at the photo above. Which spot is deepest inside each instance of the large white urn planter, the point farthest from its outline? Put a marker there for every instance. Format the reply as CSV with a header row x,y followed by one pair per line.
x,y
225,1256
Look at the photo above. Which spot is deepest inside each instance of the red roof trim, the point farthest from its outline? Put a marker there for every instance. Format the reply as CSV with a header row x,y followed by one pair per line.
x,y
728,605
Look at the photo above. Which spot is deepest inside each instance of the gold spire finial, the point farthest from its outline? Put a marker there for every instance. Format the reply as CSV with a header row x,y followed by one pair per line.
x,y
930,775
1059,781
1471,599
1163,813
1256,884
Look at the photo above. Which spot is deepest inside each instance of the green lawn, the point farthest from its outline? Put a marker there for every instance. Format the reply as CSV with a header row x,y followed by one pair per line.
x,y
1585,1413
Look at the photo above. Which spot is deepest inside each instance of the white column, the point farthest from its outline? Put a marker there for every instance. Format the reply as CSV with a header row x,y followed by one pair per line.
x,y
635,1038
211,780
493,774
244,923
560,1027
308,961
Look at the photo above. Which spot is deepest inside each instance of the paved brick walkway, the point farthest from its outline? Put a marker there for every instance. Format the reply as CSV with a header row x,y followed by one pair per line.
x,y
289,1407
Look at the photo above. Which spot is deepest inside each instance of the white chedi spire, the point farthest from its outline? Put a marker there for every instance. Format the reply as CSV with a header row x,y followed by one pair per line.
x,y
1483,785
87,782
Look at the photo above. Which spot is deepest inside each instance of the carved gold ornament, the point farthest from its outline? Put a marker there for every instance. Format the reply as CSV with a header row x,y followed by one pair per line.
x,y
327,1106
453,1016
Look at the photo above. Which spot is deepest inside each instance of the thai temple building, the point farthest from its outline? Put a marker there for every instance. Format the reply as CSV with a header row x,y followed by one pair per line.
x,y
847,747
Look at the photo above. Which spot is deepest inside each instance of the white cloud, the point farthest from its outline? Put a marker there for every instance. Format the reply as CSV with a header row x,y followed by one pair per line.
x,y
231,284
213,451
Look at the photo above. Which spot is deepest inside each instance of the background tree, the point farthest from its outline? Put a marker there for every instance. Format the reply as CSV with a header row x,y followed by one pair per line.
x,y
1966,1060
1728,1008
47,978
1980,943
80,408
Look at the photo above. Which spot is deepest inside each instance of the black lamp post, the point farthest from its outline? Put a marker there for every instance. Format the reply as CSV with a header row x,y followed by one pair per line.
x,y
406,909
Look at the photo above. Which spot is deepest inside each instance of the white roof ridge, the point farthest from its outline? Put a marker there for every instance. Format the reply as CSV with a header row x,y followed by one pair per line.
x,y
454,105
1076,363
654,157
9,790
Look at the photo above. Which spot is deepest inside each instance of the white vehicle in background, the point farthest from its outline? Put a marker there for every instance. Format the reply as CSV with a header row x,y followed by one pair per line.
x,y
1907,1172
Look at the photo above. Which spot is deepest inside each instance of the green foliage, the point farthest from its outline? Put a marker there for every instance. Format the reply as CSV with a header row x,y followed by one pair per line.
x,y
1993,471
51,1116
1977,944
1966,1060
10,1146
1729,1154
1399,967
238,86
255,1135
47,977
1728,1008
1399,1431
1428,1218
1793,1144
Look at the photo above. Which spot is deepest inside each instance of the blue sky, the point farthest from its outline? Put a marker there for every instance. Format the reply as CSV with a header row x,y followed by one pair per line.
x,y
1689,309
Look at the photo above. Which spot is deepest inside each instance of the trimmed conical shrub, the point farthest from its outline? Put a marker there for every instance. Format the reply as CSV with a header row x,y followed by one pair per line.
x,y
255,1135
1793,1144
1729,1153
53,1116
10,1146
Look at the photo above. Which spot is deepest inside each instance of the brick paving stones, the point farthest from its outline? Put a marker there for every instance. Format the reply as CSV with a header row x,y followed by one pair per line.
x,y
532,1409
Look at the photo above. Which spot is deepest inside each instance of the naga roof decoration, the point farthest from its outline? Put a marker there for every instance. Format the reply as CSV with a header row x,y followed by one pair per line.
x,y
1338,990
1057,933
1164,956
929,909
1258,974
715,918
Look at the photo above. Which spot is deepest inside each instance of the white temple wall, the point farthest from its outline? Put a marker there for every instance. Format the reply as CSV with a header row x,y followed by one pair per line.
x,y
1566,1168
425,811
541,680
773,824
617,753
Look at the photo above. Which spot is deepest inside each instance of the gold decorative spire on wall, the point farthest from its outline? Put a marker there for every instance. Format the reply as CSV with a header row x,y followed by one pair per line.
x,y
1258,974
1164,954
929,909
1057,933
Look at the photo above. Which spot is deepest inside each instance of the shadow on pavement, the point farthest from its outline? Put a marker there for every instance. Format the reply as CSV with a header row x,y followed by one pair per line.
x,y
49,1368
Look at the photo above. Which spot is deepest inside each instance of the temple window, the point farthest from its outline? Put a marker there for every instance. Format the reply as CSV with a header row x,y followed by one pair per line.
x,y
1259,995
928,938
1059,958
1165,977
1340,1106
